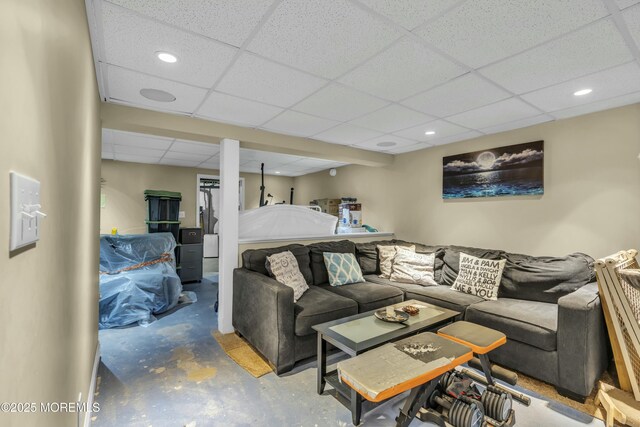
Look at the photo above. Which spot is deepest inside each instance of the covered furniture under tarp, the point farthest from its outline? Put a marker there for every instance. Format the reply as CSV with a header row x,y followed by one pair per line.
x,y
279,221
137,278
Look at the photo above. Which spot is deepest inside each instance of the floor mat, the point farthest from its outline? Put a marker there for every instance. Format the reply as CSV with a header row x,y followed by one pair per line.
x,y
548,391
243,354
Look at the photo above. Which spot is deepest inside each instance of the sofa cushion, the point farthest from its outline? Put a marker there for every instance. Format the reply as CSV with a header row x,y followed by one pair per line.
x,y
318,306
529,322
443,296
367,255
255,259
545,279
369,296
451,260
374,278
319,270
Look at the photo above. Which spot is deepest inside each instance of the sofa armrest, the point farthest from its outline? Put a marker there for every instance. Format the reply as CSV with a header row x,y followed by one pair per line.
x,y
582,341
263,312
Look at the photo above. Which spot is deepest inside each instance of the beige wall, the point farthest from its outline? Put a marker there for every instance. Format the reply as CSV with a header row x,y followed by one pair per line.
x,y
592,176
51,132
125,183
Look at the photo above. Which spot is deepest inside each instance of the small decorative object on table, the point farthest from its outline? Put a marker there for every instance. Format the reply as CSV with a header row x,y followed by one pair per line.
x,y
411,310
390,315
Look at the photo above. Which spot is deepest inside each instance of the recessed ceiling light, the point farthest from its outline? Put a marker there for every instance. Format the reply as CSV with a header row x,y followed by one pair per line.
x,y
582,92
386,144
157,95
430,132
277,172
166,57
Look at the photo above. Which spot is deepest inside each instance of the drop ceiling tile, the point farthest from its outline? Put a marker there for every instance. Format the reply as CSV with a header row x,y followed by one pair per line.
x,y
408,67
266,157
294,123
455,138
397,141
246,155
518,124
228,21
292,167
191,147
623,4
346,134
136,159
440,127
480,32
340,103
506,111
326,38
135,139
409,148
606,104
138,151
335,165
194,157
255,78
200,62
631,17
605,84
392,118
125,85
464,93
208,165
310,171
179,162
231,109
251,167
211,163
305,164
591,49
410,13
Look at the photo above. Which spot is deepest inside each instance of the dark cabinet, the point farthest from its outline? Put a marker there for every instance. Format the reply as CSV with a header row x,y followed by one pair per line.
x,y
189,259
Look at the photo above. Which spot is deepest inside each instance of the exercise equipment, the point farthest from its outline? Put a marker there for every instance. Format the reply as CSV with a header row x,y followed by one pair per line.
x,y
426,364
262,188
482,340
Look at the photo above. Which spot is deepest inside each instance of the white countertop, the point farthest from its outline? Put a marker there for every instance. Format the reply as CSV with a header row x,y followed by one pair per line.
x,y
343,236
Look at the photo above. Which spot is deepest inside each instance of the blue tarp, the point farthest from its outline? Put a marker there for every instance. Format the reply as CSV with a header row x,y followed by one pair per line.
x,y
132,296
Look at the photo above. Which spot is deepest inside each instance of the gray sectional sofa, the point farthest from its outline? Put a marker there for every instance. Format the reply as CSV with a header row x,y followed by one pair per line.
x,y
548,307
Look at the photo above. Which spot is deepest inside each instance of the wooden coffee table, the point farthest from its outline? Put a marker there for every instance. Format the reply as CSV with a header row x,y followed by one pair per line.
x,y
361,332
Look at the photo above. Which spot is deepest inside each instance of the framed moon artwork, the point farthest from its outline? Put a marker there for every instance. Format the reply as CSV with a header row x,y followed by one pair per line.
x,y
513,170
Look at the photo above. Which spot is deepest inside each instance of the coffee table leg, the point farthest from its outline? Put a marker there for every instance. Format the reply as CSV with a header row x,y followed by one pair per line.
x,y
322,362
356,407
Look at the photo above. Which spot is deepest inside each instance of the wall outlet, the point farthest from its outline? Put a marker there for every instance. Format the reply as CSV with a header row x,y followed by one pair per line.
x,y
181,215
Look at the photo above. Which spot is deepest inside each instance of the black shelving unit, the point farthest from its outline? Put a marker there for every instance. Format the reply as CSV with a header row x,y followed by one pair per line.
x,y
163,211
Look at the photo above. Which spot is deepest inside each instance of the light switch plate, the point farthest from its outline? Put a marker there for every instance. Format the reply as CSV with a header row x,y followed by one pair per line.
x,y
181,215
25,210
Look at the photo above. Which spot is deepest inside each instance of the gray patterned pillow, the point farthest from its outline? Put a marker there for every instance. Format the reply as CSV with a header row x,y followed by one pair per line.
x,y
479,276
284,268
412,267
386,254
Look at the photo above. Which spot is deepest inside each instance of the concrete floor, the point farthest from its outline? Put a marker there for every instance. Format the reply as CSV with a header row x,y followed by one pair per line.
x,y
174,373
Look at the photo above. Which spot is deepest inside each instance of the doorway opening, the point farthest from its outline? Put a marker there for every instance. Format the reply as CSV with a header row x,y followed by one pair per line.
x,y
207,218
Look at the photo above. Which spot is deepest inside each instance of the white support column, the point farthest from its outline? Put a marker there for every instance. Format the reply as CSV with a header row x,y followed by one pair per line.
x,y
229,187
